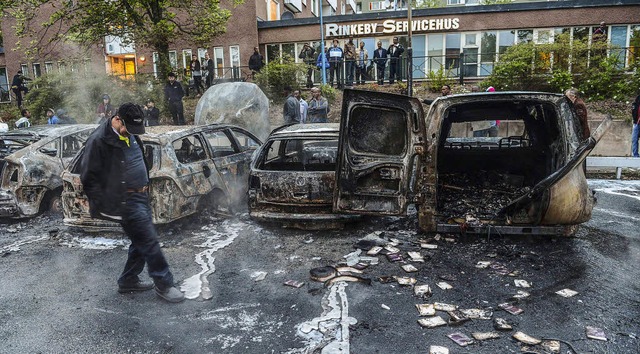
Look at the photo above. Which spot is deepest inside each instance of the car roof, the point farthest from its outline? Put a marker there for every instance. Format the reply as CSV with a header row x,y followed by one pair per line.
x,y
173,132
306,130
503,95
50,130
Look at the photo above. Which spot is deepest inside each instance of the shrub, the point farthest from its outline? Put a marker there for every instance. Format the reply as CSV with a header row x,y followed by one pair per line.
x,y
328,92
439,78
277,74
561,80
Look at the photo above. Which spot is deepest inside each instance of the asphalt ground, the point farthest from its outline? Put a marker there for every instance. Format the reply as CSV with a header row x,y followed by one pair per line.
x,y
59,292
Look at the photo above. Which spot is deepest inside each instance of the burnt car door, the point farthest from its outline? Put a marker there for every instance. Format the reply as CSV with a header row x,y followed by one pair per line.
x,y
381,142
231,152
194,166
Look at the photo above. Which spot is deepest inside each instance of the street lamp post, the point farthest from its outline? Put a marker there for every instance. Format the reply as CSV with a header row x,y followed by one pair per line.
x,y
322,55
409,53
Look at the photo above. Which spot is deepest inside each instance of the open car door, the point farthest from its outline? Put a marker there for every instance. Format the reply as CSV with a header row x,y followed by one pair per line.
x,y
381,142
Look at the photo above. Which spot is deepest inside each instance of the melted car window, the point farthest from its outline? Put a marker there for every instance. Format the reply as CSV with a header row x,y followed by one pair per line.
x,y
300,155
189,149
220,144
377,130
245,142
72,143
51,148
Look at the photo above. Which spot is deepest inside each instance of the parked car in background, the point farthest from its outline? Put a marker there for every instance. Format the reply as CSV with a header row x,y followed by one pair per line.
x,y
192,168
528,179
293,176
31,161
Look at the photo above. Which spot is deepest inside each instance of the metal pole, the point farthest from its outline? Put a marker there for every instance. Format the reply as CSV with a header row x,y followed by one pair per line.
x,y
409,53
322,53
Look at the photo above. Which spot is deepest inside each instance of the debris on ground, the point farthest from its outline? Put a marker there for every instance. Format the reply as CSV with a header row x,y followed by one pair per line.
x,y
501,324
526,339
294,283
567,292
595,333
512,309
460,338
444,285
421,290
426,309
259,275
436,349
432,322
485,335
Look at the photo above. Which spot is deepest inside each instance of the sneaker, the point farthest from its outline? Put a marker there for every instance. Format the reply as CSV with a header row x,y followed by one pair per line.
x,y
138,286
171,294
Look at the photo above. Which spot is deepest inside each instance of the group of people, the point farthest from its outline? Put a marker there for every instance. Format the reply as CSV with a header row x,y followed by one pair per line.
x,y
355,62
298,111
106,110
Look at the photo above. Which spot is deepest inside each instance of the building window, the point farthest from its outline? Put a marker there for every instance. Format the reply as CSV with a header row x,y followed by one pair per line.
x,y
62,67
273,52
314,7
273,10
25,70
452,61
634,44
487,53
4,86
506,39
455,2
525,36
201,52
37,72
234,55
186,59
48,67
218,59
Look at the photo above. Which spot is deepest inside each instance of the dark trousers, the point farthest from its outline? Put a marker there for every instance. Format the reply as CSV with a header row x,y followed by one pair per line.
x,y
394,71
309,75
380,75
18,93
177,112
145,248
350,66
197,82
335,69
209,79
361,74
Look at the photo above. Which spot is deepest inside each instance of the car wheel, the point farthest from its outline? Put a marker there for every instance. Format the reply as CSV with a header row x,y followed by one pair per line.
x,y
52,203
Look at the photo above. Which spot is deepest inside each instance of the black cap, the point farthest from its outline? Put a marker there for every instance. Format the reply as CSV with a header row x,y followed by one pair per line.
x,y
133,117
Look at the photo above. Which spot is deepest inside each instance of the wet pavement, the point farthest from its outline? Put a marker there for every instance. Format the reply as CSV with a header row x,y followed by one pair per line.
x,y
59,292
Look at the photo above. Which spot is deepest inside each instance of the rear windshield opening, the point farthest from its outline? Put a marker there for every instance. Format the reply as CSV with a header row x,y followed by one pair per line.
x,y
300,155
493,152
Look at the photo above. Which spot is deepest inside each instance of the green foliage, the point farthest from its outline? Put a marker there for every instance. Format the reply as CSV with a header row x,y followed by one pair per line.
x,y
515,70
428,4
81,97
328,92
495,2
277,74
152,23
561,80
439,78
606,80
9,113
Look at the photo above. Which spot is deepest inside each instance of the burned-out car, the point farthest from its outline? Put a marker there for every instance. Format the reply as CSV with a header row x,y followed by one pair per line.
x,y
31,161
527,179
293,176
192,168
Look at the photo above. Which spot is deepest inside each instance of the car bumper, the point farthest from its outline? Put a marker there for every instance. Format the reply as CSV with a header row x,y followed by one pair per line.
x,y
306,221
92,225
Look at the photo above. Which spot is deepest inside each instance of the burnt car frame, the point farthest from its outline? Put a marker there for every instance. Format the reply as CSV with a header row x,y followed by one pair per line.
x,y
391,154
293,176
31,161
192,168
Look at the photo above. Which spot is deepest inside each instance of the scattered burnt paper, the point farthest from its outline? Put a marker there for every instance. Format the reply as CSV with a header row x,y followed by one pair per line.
x,y
409,268
460,338
526,339
567,292
444,307
514,310
501,324
426,309
444,285
595,333
478,314
436,349
457,317
485,335
294,283
431,322
423,290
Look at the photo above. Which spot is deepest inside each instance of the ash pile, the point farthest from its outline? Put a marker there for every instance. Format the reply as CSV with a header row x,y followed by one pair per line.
x,y
480,194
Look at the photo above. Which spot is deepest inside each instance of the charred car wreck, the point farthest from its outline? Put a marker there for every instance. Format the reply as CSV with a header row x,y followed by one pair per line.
x,y
293,176
527,179
31,161
192,168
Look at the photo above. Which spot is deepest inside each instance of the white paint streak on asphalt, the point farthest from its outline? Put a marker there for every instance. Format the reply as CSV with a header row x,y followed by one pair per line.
x,y
328,333
216,239
618,215
96,243
15,247
630,189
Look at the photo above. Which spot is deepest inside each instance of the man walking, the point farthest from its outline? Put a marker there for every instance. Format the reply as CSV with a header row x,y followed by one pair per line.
x,y
115,177
19,87
291,109
208,66
395,51
173,93
256,62
380,58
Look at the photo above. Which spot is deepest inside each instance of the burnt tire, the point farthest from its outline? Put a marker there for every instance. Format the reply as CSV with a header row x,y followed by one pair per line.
x,y
52,203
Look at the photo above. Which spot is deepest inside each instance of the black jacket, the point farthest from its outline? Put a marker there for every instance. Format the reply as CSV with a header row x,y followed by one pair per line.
x,y
256,62
173,92
102,172
634,110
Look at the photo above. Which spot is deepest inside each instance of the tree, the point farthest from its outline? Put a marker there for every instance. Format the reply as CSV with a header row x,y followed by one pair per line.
x,y
151,23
